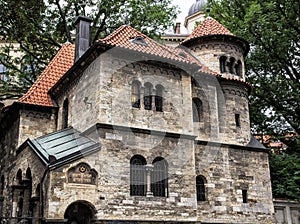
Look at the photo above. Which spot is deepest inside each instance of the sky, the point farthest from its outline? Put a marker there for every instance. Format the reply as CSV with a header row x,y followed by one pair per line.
x,y
184,6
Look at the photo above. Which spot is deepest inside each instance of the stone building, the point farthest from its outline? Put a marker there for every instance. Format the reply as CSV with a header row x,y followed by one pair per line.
x,y
132,131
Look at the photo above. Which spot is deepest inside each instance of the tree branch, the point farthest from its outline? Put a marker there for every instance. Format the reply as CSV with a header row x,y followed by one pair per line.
x,y
63,16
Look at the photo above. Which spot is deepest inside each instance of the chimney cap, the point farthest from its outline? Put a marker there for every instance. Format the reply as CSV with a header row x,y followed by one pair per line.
x,y
83,18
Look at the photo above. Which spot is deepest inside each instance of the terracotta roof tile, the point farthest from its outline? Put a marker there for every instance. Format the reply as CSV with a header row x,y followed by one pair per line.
x,y
207,27
128,37
125,36
58,66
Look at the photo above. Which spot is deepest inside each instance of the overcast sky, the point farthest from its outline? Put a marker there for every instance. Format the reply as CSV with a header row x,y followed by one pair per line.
x,y
184,6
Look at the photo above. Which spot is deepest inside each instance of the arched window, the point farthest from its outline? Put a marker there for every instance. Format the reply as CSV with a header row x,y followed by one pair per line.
x,y
27,193
65,114
200,187
231,65
238,68
137,176
19,176
237,120
159,177
148,96
135,94
223,60
159,98
197,110
28,174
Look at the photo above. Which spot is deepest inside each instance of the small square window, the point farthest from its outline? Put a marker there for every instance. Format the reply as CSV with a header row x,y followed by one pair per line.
x,y
245,196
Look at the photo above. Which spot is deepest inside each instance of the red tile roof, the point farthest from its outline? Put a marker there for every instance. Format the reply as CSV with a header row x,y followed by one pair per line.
x,y
58,66
207,27
125,37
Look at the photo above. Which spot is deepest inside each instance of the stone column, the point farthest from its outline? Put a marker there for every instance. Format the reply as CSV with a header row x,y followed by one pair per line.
x,y
142,89
26,202
16,195
149,170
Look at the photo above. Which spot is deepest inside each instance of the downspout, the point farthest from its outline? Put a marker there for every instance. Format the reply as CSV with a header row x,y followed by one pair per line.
x,y
42,193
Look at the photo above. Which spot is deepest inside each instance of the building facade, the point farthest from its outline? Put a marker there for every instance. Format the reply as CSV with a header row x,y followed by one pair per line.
x,y
132,131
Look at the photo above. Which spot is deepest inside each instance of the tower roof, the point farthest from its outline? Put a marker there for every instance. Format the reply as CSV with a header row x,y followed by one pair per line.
x,y
207,27
197,7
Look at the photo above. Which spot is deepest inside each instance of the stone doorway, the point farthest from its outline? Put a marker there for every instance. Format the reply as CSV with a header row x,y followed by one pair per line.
x,y
80,212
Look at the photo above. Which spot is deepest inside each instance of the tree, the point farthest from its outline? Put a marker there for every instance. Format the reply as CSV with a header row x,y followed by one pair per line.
x,y
273,69
285,171
273,65
39,27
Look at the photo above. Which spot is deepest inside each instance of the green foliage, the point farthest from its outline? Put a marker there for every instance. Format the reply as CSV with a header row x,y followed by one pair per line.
x,y
285,175
37,28
273,68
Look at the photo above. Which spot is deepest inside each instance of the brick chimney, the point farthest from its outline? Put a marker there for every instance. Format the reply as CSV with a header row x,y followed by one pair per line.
x,y
83,35
177,28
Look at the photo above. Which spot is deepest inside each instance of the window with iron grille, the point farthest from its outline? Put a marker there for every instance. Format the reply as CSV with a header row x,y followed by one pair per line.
x,y
148,96
137,176
135,94
200,187
159,178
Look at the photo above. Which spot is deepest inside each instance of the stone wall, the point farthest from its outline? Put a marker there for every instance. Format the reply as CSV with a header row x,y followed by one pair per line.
x,y
24,187
209,53
228,171
221,102
103,95
111,193
34,123
8,145
236,130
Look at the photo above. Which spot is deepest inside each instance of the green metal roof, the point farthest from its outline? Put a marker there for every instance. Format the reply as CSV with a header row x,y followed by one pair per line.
x,y
63,146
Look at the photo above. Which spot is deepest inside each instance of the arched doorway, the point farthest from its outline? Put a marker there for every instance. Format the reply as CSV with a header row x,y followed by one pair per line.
x,y
80,212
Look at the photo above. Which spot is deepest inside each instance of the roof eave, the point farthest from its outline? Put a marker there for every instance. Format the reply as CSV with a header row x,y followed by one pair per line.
x,y
242,42
87,58
34,148
142,56
75,156
242,82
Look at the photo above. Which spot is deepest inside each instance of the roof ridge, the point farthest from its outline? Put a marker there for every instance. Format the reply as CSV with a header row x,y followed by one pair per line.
x,y
119,30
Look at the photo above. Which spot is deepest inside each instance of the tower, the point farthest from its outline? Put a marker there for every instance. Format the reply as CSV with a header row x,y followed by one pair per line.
x,y
223,52
196,14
